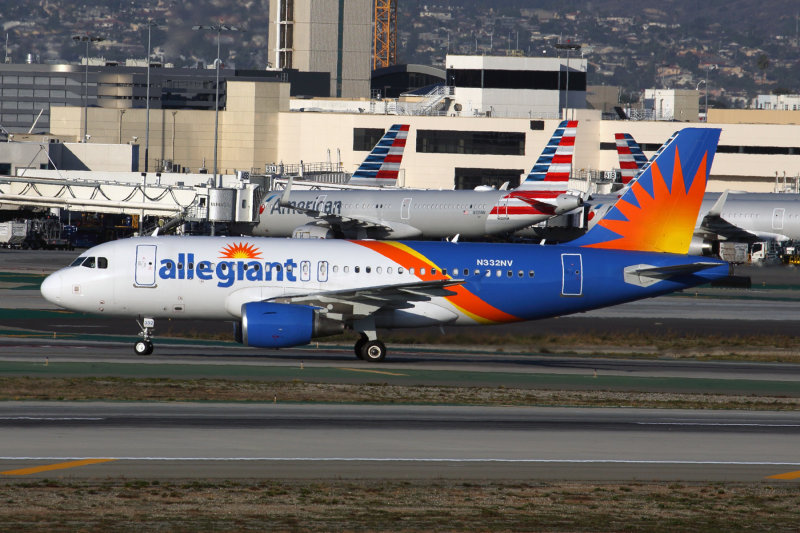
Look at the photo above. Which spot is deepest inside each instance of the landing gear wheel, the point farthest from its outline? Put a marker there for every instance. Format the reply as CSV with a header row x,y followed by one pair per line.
x,y
143,347
373,351
359,347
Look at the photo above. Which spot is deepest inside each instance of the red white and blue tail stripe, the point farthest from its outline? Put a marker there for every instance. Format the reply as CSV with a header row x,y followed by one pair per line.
x,y
553,168
632,160
631,157
544,191
382,165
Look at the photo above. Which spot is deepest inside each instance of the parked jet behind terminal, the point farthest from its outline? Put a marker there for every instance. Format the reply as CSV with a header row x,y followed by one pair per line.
x,y
428,214
285,292
729,216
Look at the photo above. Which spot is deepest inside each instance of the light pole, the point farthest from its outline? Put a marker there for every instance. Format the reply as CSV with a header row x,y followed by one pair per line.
x,y
706,88
706,91
87,39
149,25
568,47
219,28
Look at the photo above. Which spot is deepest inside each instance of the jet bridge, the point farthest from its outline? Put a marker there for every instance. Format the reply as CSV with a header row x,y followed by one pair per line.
x,y
189,197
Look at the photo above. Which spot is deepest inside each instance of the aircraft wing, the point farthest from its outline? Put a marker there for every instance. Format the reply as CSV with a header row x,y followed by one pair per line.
x,y
383,228
344,223
645,275
714,227
357,303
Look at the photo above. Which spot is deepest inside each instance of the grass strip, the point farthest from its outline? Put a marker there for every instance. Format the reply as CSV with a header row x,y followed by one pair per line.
x,y
377,505
295,391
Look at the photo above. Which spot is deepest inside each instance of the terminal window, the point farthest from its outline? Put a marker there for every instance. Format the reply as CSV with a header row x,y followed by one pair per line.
x,y
469,178
471,142
364,139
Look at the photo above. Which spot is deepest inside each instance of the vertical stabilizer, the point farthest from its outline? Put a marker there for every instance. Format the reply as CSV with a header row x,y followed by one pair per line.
x,y
631,157
658,211
552,170
382,165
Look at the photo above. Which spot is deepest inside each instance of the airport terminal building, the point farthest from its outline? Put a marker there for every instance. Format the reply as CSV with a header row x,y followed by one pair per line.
x,y
483,126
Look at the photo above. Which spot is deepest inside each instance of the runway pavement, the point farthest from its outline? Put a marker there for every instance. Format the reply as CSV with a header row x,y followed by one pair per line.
x,y
158,441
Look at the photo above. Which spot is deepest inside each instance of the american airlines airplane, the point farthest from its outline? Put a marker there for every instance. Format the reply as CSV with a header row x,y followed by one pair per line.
x,y
286,292
422,214
728,216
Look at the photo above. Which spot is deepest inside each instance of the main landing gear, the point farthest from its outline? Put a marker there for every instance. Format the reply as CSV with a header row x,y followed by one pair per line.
x,y
371,350
145,346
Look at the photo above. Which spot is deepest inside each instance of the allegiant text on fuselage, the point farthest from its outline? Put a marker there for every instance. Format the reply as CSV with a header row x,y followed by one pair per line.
x,y
226,273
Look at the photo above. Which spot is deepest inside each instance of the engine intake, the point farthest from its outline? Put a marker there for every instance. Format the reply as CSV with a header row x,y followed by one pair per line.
x,y
272,325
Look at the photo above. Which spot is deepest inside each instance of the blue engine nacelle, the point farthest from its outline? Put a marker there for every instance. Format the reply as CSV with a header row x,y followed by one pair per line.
x,y
272,325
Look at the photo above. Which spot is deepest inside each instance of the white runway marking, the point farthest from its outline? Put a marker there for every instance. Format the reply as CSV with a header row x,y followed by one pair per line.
x,y
715,424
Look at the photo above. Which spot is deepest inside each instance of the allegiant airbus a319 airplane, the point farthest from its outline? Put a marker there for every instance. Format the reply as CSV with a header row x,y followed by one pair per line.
x,y
392,213
285,292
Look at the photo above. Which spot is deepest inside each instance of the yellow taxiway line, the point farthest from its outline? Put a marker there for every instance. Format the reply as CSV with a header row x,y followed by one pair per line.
x,y
57,466
787,475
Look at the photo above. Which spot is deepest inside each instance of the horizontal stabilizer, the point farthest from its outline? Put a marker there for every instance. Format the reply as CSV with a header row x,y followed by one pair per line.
x,y
646,275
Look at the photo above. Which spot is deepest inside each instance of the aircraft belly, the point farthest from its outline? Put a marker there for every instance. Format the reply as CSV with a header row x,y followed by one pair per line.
x,y
421,314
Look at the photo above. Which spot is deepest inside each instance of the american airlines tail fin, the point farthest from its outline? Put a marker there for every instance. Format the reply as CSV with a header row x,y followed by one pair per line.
x,y
658,211
382,165
553,168
631,157
632,160
545,187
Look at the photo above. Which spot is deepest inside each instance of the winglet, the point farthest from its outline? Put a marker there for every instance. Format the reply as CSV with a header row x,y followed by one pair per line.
x,y
658,212
382,165
284,201
719,205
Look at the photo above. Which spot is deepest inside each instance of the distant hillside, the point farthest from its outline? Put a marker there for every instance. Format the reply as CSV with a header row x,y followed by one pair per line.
x,y
747,47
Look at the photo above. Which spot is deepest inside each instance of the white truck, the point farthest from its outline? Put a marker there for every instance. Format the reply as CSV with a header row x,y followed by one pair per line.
x,y
13,234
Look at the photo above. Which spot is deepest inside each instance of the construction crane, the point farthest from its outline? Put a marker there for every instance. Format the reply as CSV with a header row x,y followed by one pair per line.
x,y
385,40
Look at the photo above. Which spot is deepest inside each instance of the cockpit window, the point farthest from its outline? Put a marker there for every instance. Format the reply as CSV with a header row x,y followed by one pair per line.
x,y
79,261
89,262
102,262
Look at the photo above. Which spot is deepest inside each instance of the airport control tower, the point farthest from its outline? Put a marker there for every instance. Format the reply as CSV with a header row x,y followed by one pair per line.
x,y
333,37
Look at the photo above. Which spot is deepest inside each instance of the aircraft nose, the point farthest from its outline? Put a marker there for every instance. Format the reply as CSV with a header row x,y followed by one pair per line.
x,y
51,288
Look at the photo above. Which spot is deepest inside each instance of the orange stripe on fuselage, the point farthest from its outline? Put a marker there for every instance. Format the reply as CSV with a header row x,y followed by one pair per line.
x,y
468,303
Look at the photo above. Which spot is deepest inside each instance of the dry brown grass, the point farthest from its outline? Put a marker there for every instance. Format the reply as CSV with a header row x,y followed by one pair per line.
x,y
250,505
221,390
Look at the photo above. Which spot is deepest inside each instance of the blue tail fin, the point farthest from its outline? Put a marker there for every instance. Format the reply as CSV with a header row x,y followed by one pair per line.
x,y
658,212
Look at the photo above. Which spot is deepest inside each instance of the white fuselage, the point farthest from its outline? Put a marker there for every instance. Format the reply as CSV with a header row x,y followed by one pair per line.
x,y
398,213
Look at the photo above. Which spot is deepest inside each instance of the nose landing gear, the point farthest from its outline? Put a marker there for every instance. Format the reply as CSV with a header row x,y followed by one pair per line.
x,y
145,346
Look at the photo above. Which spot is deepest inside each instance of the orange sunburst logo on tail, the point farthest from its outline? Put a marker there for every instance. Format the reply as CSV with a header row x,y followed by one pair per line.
x,y
661,222
240,251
